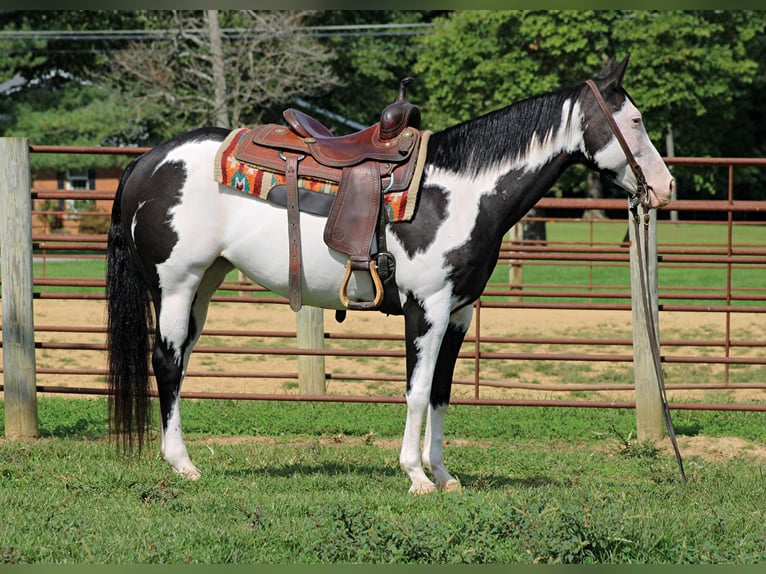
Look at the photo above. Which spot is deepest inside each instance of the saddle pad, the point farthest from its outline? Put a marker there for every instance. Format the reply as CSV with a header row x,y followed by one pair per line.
x,y
259,182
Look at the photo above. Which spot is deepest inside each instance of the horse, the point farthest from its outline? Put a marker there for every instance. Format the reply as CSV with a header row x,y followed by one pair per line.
x,y
175,233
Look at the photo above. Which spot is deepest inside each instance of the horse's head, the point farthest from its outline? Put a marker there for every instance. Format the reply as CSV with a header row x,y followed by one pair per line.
x,y
603,148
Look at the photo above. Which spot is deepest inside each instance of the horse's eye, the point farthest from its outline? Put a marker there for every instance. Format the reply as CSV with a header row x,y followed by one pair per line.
x,y
636,121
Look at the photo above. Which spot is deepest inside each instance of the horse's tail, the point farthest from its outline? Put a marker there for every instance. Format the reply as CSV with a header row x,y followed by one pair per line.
x,y
128,323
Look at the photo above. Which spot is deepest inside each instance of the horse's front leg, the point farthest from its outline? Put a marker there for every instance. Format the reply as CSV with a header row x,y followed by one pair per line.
x,y
433,444
424,325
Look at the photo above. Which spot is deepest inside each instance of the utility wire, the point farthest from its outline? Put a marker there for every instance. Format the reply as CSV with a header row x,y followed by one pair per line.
x,y
350,30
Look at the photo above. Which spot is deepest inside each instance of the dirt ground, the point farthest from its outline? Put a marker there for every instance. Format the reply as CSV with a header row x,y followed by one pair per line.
x,y
700,447
539,379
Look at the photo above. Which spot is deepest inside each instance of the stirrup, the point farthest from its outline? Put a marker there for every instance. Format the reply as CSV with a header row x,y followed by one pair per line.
x,y
372,267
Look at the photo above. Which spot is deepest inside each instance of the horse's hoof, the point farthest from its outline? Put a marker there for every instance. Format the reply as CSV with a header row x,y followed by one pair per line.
x,y
192,473
452,485
423,488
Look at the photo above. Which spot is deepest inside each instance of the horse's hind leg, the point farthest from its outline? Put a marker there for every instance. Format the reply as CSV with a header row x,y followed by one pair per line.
x,y
433,442
181,316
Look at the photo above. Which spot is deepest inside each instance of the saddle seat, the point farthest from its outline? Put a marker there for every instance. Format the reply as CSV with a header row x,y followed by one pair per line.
x,y
380,141
341,151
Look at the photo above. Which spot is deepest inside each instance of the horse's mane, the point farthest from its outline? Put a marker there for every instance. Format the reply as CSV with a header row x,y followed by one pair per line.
x,y
493,137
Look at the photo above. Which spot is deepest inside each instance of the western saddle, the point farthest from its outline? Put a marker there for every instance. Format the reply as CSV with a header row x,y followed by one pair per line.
x,y
365,165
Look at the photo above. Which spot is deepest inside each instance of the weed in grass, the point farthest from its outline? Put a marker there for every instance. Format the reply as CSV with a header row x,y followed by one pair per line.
x,y
10,555
256,519
644,449
508,370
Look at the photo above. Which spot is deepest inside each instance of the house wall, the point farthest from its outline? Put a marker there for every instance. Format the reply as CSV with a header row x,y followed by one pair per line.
x,y
63,216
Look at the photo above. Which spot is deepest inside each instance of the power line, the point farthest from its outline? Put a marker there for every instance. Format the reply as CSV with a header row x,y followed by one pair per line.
x,y
349,30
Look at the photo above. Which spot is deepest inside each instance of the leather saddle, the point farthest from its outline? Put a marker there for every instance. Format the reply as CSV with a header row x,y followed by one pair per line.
x,y
365,165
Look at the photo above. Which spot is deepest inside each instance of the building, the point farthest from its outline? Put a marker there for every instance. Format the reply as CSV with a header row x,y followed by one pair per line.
x,y
73,215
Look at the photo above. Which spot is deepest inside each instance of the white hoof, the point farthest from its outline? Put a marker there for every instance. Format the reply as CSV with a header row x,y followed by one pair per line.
x,y
423,488
189,473
452,485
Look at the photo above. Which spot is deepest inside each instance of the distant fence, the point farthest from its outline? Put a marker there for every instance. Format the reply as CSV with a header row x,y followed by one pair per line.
x,y
374,356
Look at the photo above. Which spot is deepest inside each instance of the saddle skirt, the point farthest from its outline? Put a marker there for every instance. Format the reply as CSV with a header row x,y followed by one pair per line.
x,y
318,190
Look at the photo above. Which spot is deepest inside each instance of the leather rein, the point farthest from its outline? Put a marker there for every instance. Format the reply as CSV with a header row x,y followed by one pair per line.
x,y
641,198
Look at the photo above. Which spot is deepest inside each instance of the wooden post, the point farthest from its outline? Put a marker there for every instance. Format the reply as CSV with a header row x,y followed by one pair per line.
x,y
16,263
310,335
649,417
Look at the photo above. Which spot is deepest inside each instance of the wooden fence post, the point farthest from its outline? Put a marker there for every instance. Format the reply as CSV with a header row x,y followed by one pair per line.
x,y
310,335
649,417
19,375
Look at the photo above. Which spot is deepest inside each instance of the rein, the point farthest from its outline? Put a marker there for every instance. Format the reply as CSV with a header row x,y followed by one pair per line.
x,y
641,198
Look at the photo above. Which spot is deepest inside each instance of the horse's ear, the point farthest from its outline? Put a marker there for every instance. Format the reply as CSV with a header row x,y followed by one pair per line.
x,y
611,76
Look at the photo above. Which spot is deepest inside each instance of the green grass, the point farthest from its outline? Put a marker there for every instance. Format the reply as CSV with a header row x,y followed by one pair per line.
x,y
553,485
321,482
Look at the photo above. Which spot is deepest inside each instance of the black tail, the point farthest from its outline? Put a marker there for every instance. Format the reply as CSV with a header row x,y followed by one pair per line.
x,y
129,319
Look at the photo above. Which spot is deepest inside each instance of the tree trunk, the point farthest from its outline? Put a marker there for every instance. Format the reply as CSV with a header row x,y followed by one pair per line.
x,y
534,230
219,80
594,191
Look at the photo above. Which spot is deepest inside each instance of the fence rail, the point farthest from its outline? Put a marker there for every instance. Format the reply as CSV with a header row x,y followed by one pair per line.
x,y
373,366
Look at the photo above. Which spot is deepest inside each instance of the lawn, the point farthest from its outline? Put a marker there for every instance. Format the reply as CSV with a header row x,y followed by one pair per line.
x,y
319,483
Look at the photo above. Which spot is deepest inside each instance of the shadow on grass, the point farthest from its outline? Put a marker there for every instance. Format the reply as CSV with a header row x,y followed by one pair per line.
x,y
375,473
82,428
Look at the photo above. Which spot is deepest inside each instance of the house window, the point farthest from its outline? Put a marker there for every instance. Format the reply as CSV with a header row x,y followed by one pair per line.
x,y
78,179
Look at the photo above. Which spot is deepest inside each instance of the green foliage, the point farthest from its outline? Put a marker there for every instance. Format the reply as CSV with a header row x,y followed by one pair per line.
x,y
73,115
682,62
494,58
369,67
697,72
57,105
693,70
44,60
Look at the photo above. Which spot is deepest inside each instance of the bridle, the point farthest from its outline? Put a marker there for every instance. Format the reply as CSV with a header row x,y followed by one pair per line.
x,y
641,198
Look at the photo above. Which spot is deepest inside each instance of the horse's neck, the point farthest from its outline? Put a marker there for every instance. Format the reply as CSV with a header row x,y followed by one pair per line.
x,y
509,159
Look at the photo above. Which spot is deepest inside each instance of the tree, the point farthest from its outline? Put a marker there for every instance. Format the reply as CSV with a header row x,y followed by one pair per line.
x,y
202,74
694,71
49,49
374,50
48,97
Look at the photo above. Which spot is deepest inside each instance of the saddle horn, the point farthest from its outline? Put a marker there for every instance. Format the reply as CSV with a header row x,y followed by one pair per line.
x,y
400,114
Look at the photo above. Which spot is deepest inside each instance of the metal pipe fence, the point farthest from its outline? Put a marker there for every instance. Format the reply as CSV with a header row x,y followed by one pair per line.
x,y
496,365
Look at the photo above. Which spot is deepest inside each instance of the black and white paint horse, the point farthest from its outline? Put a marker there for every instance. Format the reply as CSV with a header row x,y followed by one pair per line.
x,y
176,233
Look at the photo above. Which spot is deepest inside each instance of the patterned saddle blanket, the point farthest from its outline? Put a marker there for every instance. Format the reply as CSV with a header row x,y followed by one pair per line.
x,y
316,195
